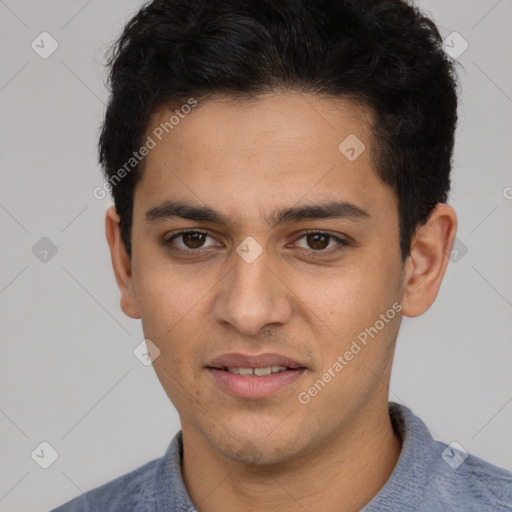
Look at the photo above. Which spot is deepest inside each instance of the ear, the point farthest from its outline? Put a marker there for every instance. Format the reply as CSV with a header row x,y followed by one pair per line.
x,y
426,264
121,264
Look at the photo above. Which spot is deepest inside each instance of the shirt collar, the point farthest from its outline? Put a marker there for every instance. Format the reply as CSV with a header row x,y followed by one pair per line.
x,y
403,489
406,485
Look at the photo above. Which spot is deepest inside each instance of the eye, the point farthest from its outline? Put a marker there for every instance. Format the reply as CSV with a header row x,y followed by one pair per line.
x,y
187,241
319,241
194,241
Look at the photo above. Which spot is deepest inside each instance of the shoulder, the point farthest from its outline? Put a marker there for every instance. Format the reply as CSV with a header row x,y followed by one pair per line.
x,y
132,491
157,485
469,482
432,476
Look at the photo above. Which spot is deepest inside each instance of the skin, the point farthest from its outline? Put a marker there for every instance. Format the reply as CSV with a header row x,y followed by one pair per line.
x,y
245,160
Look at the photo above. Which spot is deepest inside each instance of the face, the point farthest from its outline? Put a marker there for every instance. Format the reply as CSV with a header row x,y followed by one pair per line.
x,y
267,274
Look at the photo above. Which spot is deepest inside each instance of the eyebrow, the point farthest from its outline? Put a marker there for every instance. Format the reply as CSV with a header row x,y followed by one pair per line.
x,y
328,210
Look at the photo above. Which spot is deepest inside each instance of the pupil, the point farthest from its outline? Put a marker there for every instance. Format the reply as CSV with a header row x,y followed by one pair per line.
x,y
193,240
318,241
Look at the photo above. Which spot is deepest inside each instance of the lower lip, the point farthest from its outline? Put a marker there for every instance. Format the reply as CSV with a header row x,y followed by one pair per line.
x,y
252,386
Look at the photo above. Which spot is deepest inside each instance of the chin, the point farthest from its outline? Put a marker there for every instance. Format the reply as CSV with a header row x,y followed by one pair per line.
x,y
256,454
257,447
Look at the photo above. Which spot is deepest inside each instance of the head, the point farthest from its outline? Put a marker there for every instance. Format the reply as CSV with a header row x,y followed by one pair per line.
x,y
305,149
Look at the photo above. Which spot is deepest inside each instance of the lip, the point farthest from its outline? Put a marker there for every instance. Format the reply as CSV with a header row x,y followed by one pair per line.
x,y
253,361
252,386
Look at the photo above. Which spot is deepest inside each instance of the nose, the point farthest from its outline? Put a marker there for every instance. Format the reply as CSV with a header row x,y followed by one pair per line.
x,y
252,297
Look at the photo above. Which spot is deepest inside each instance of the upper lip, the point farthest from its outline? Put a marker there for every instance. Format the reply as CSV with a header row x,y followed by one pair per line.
x,y
252,361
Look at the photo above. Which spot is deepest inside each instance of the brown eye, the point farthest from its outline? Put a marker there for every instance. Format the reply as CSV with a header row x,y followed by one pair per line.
x,y
193,240
321,242
317,241
190,241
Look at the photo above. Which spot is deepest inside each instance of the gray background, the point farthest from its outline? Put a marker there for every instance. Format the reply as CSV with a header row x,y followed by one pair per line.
x,y
69,376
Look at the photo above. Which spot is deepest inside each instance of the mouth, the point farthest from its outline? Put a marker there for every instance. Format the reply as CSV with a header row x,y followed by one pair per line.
x,y
254,377
259,372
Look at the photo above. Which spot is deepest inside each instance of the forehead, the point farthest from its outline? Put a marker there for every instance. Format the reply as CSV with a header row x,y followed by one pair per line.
x,y
281,148
302,122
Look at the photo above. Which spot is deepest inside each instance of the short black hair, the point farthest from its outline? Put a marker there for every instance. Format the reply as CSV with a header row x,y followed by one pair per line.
x,y
384,53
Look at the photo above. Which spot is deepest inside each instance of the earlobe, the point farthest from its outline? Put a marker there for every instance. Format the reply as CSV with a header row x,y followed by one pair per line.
x,y
121,264
426,264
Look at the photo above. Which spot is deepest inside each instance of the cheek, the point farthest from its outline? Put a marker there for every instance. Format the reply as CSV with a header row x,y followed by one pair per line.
x,y
168,307
174,311
165,295
348,302
341,297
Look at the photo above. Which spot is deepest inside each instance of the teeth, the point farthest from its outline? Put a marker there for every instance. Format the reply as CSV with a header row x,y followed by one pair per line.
x,y
257,371
263,371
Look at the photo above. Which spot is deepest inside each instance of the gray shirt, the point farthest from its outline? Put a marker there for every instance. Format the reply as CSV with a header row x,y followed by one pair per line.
x,y
429,476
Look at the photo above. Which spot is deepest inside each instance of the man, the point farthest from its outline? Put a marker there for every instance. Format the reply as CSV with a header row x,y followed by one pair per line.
x,y
280,171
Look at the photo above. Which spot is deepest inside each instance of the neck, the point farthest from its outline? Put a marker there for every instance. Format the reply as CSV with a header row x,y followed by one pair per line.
x,y
343,473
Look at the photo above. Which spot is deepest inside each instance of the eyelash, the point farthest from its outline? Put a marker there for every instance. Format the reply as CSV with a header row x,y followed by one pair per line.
x,y
198,252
